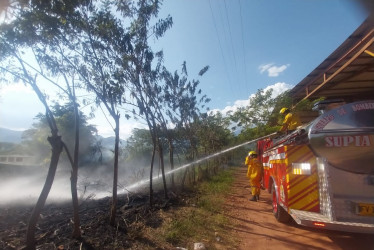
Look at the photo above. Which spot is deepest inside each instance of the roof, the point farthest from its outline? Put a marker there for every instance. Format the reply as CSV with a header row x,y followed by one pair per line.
x,y
346,73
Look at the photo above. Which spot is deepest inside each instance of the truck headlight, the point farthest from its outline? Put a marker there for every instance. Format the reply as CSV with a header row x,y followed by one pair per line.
x,y
301,168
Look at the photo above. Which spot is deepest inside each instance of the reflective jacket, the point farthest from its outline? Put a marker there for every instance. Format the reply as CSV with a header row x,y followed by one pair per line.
x,y
291,122
254,172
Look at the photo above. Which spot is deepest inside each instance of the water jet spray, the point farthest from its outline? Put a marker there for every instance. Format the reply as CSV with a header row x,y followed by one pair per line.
x,y
143,182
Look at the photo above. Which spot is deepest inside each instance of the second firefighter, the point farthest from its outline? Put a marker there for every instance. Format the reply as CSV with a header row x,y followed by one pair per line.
x,y
254,173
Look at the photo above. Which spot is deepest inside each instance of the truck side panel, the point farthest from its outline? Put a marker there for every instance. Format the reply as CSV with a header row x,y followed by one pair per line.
x,y
303,192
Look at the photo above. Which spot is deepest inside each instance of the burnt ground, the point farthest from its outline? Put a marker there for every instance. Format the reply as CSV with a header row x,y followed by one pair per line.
x,y
55,224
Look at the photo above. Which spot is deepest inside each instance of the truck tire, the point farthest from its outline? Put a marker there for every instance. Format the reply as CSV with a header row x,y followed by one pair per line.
x,y
270,186
280,214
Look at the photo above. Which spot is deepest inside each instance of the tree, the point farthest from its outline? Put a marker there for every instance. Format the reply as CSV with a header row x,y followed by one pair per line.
x,y
214,133
100,50
55,140
138,151
40,27
139,145
33,138
180,97
141,73
255,118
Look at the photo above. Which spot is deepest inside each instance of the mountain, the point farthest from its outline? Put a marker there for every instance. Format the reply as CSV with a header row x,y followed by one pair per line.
x,y
13,136
8,135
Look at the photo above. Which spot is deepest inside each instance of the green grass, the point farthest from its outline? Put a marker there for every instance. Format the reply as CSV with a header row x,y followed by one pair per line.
x,y
201,220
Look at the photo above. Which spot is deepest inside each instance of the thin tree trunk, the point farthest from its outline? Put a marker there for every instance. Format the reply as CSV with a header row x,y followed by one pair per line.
x,y
74,178
159,166
163,169
184,177
57,146
171,159
201,173
151,176
113,209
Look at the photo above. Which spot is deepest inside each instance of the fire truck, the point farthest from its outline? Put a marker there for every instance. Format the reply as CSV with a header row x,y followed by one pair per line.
x,y
322,174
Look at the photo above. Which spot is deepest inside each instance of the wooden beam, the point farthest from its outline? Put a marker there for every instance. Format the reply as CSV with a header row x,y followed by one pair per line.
x,y
354,57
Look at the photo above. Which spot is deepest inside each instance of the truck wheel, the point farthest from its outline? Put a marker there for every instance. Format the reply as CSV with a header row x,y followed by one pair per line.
x,y
280,214
270,185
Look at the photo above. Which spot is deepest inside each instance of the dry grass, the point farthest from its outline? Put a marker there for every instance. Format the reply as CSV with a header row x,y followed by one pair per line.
x,y
198,218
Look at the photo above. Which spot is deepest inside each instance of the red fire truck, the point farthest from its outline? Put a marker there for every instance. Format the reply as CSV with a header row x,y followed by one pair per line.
x,y
322,174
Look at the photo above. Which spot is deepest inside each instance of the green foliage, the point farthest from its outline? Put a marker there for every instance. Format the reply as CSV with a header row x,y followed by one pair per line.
x,y
213,133
282,100
190,225
257,113
35,142
248,134
307,105
261,117
9,148
139,145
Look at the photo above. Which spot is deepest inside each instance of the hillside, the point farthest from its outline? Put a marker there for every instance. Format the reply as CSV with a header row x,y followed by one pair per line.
x,y
14,136
8,135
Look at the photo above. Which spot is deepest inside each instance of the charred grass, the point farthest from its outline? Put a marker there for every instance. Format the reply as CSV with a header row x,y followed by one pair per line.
x,y
190,216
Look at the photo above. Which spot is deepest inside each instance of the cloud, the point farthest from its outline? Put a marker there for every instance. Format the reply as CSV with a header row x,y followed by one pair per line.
x,y
278,88
272,70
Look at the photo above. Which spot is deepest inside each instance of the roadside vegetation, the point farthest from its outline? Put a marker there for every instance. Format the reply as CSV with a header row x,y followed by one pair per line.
x,y
196,218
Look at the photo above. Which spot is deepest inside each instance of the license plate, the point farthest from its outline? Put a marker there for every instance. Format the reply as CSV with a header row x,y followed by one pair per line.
x,y
365,209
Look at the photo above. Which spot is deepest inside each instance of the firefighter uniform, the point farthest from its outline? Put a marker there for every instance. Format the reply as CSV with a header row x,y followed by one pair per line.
x,y
254,173
291,121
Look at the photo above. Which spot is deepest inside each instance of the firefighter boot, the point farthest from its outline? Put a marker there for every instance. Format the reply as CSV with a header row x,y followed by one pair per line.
x,y
254,198
258,197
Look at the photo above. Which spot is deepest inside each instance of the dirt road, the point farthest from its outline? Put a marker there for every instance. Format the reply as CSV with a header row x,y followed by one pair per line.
x,y
257,228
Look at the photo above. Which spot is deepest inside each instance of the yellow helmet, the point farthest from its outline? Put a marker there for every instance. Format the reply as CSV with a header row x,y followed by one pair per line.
x,y
252,153
283,110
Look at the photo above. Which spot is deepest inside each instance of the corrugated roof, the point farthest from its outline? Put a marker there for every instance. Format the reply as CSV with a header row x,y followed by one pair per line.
x,y
347,73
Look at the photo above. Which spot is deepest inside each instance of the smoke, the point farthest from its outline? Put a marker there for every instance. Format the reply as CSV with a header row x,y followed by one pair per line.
x,y
22,185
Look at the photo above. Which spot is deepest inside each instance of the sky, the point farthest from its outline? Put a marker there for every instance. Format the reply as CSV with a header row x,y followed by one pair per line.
x,y
248,45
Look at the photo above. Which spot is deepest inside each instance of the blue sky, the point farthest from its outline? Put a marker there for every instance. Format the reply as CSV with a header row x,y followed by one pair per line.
x,y
236,37
248,44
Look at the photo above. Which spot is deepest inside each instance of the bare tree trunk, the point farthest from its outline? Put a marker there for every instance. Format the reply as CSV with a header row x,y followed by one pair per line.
x,y
74,178
163,169
201,175
184,177
171,158
194,174
57,146
190,175
151,176
159,166
113,209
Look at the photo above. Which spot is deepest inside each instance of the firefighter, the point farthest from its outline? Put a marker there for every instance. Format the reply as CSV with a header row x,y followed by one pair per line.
x,y
254,173
291,121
